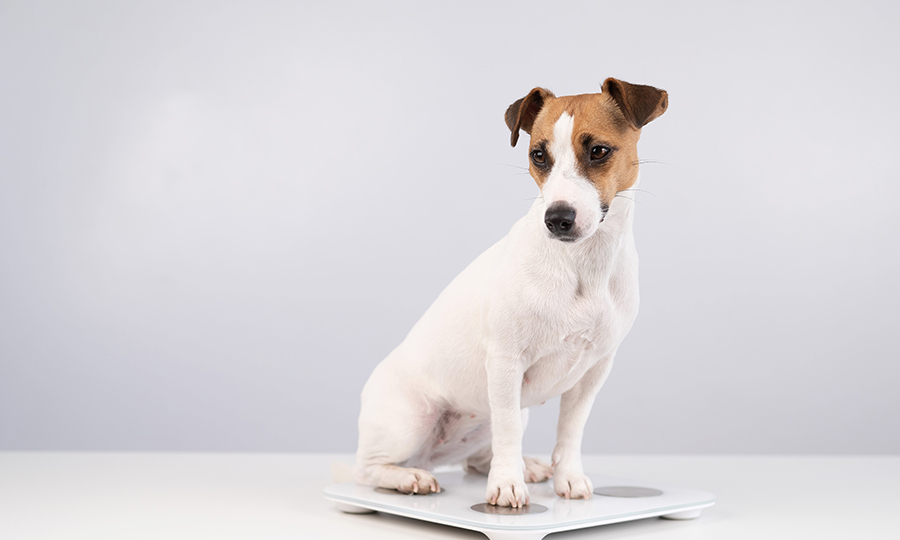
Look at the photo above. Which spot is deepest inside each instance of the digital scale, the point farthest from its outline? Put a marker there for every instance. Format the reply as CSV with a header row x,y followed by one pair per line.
x,y
461,504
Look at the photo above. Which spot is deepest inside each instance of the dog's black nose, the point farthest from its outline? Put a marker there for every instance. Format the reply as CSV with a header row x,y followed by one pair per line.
x,y
560,219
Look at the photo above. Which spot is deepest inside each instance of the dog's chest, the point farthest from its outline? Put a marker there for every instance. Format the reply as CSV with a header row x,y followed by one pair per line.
x,y
583,331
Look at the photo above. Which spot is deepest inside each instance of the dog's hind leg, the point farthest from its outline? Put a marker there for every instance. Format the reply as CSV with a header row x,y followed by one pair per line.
x,y
395,424
536,470
480,461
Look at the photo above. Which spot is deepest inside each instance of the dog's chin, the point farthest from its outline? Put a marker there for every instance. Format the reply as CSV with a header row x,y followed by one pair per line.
x,y
566,238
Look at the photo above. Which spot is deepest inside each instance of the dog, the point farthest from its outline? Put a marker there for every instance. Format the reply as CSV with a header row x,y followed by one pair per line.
x,y
540,314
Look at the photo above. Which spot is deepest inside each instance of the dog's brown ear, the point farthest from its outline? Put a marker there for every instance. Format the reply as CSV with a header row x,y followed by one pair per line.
x,y
521,114
639,103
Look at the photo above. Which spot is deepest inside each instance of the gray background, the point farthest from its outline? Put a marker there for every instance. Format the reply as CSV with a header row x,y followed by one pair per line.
x,y
215,219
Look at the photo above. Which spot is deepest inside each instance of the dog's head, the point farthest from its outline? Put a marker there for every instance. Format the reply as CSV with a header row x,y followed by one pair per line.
x,y
583,149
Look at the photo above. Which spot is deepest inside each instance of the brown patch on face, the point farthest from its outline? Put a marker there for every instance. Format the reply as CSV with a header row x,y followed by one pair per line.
x,y
604,136
598,123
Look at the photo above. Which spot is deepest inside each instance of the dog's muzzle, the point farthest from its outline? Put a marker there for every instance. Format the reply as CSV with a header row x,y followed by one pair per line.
x,y
560,221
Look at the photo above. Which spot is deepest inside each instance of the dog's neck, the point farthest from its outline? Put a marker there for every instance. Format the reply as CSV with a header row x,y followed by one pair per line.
x,y
595,258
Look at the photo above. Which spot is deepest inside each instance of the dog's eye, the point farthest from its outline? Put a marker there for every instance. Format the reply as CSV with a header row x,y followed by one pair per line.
x,y
599,152
538,157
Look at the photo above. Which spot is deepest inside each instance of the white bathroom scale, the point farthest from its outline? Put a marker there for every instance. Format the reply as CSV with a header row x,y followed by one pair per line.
x,y
461,504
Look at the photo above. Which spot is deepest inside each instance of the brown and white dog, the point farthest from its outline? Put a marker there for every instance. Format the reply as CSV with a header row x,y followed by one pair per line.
x,y
539,314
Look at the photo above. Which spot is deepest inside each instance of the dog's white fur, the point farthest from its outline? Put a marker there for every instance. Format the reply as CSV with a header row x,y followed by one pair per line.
x,y
531,318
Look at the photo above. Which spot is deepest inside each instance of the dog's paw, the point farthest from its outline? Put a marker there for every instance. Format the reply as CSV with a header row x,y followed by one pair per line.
x,y
572,485
418,482
506,489
536,470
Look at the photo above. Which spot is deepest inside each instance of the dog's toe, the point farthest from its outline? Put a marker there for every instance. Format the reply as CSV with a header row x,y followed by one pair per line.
x,y
572,485
419,482
506,490
536,470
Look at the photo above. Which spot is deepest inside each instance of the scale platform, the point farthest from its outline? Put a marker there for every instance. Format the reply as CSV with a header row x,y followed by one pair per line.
x,y
461,504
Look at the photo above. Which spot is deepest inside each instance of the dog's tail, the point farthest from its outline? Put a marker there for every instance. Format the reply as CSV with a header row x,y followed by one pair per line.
x,y
341,472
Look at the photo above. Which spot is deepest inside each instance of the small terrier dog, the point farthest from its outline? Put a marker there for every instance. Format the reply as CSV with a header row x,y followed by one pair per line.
x,y
541,313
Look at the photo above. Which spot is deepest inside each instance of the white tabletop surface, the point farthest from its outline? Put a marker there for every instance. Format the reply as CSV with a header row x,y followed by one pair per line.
x,y
266,496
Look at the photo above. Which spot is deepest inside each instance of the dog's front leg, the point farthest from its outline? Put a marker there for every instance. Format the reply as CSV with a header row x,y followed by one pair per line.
x,y
569,480
506,480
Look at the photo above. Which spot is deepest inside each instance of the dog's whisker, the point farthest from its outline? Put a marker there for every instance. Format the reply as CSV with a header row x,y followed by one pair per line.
x,y
638,189
652,162
516,166
626,198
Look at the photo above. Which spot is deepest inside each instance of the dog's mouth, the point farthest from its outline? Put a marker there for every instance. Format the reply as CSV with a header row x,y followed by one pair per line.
x,y
571,237
568,239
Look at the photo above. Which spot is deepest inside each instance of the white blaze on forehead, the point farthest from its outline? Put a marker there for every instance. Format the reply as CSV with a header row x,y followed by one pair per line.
x,y
565,184
561,146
